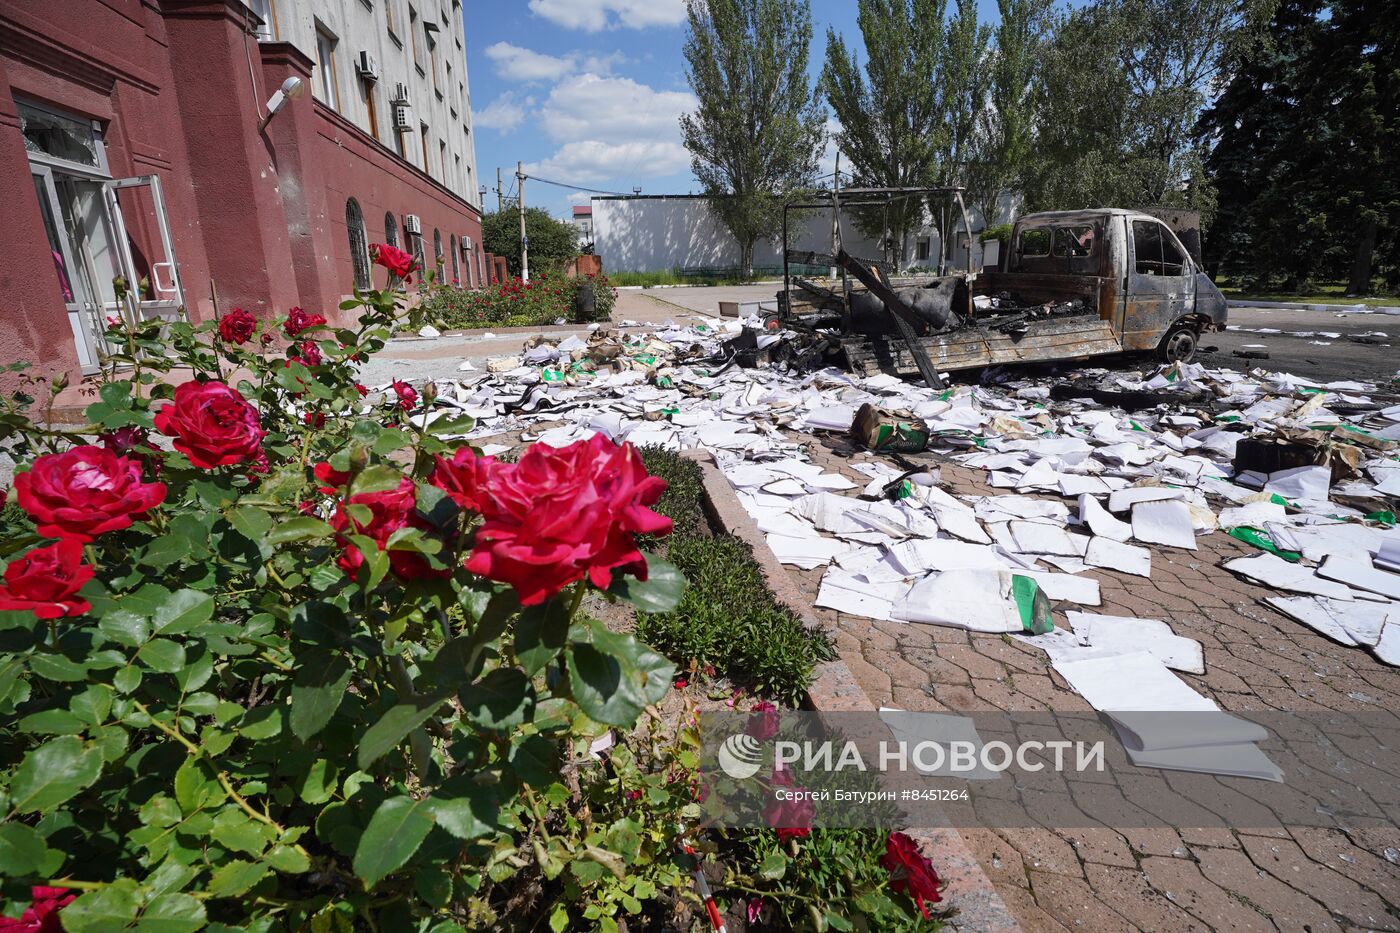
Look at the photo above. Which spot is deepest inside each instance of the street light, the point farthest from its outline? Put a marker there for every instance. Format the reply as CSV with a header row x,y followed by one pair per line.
x,y
291,89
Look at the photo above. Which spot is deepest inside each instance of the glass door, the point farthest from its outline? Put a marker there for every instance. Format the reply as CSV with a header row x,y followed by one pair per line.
x,y
80,295
137,206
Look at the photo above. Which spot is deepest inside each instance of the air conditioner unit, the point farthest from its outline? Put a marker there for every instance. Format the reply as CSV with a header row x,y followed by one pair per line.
x,y
367,67
401,94
466,244
403,118
412,224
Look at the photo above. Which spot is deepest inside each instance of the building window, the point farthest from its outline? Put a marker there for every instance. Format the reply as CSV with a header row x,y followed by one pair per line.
x,y
417,241
413,35
442,163
423,138
433,65
391,230
389,19
371,108
62,137
923,248
267,12
456,269
437,250
359,245
325,66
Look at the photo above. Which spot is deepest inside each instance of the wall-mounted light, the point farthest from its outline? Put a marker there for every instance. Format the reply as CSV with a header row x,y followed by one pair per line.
x,y
291,89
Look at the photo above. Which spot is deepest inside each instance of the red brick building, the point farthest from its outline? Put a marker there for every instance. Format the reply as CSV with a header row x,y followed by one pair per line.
x,y
136,145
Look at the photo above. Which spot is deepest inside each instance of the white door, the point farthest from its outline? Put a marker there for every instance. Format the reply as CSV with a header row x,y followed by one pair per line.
x,y
139,200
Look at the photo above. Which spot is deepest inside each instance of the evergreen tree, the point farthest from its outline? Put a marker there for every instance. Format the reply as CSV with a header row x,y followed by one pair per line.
x,y
756,137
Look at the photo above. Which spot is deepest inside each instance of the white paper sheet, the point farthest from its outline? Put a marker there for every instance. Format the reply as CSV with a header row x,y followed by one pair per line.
x,y
977,600
1101,522
1164,522
1114,555
1360,575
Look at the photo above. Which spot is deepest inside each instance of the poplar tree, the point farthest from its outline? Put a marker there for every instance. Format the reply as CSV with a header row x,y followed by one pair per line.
x,y
755,139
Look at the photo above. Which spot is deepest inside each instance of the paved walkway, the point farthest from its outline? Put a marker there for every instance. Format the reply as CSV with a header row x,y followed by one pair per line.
x,y
1151,879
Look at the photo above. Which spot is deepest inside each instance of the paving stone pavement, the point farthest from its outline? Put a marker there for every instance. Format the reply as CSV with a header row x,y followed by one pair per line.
x,y
1149,879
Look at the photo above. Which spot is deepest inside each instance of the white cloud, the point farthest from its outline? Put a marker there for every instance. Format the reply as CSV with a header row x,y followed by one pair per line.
x,y
593,15
579,197
592,161
595,107
503,114
520,64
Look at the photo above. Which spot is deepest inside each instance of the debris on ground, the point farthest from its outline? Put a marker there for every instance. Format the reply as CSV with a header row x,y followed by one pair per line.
x,y
1093,471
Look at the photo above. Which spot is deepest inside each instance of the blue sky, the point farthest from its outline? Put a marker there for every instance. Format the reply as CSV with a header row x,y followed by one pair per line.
x,y
588,92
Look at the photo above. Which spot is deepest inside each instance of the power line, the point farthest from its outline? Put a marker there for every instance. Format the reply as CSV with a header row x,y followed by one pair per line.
x,y
560,184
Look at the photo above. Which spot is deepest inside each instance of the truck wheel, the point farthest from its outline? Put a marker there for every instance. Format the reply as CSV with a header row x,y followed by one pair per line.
x,y
1179,345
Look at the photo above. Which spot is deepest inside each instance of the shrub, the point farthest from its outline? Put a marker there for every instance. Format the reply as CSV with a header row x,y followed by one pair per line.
x,y
250,683
552,242
728,617
543,300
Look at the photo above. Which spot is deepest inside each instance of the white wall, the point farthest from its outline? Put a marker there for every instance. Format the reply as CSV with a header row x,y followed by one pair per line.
x,y
363,25
657,234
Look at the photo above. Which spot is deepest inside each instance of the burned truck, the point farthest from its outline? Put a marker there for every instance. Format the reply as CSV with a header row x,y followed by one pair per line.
x,y
1073,284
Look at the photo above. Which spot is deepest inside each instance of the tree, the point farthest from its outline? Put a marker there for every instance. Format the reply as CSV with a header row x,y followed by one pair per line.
x,y
1122,87
892,114
552,242
1002,140
1301,147
756,136
966,87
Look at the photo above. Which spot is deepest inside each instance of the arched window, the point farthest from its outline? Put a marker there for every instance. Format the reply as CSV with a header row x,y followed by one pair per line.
x,y
359,245
437,250
456,270
391,229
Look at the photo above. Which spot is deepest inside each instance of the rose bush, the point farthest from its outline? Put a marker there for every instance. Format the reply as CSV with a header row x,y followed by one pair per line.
x,y
248,680
547,297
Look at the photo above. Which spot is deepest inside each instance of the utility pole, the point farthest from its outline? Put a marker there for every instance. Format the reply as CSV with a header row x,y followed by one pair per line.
x,y
500,204
524,239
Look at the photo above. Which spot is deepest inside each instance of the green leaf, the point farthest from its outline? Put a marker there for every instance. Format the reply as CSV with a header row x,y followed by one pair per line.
x,y
54,772
321,623
57,667
234,829
559,920
838,922
773,866
394,833
503,698
380,738
301,528
110,907
466,809
52,722
540,633
378,478
287,859
235,877
614,677
250,521
660,592
535,760
162,655
434,885
124,627
459,425
93,705
182,611
318,686
171,913
22,849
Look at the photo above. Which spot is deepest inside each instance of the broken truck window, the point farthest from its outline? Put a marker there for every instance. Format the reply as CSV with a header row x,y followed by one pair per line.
x,y
1155,250
1035,241
1074,241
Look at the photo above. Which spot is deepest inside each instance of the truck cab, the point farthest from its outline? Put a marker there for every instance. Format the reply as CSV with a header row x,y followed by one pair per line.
x,y
1142,281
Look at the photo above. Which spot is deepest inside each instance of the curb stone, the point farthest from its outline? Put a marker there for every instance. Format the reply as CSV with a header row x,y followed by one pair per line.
x,y
834,689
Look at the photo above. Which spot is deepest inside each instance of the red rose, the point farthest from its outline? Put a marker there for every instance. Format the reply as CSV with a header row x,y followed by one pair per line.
x,y
84,492
910,871
408,396
41,916
792,819
398,262
308,353
314,420
463,477
763,721
212,425
298,321
559,515
390,510
45,581
329,477
126,441
237,326
361,389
